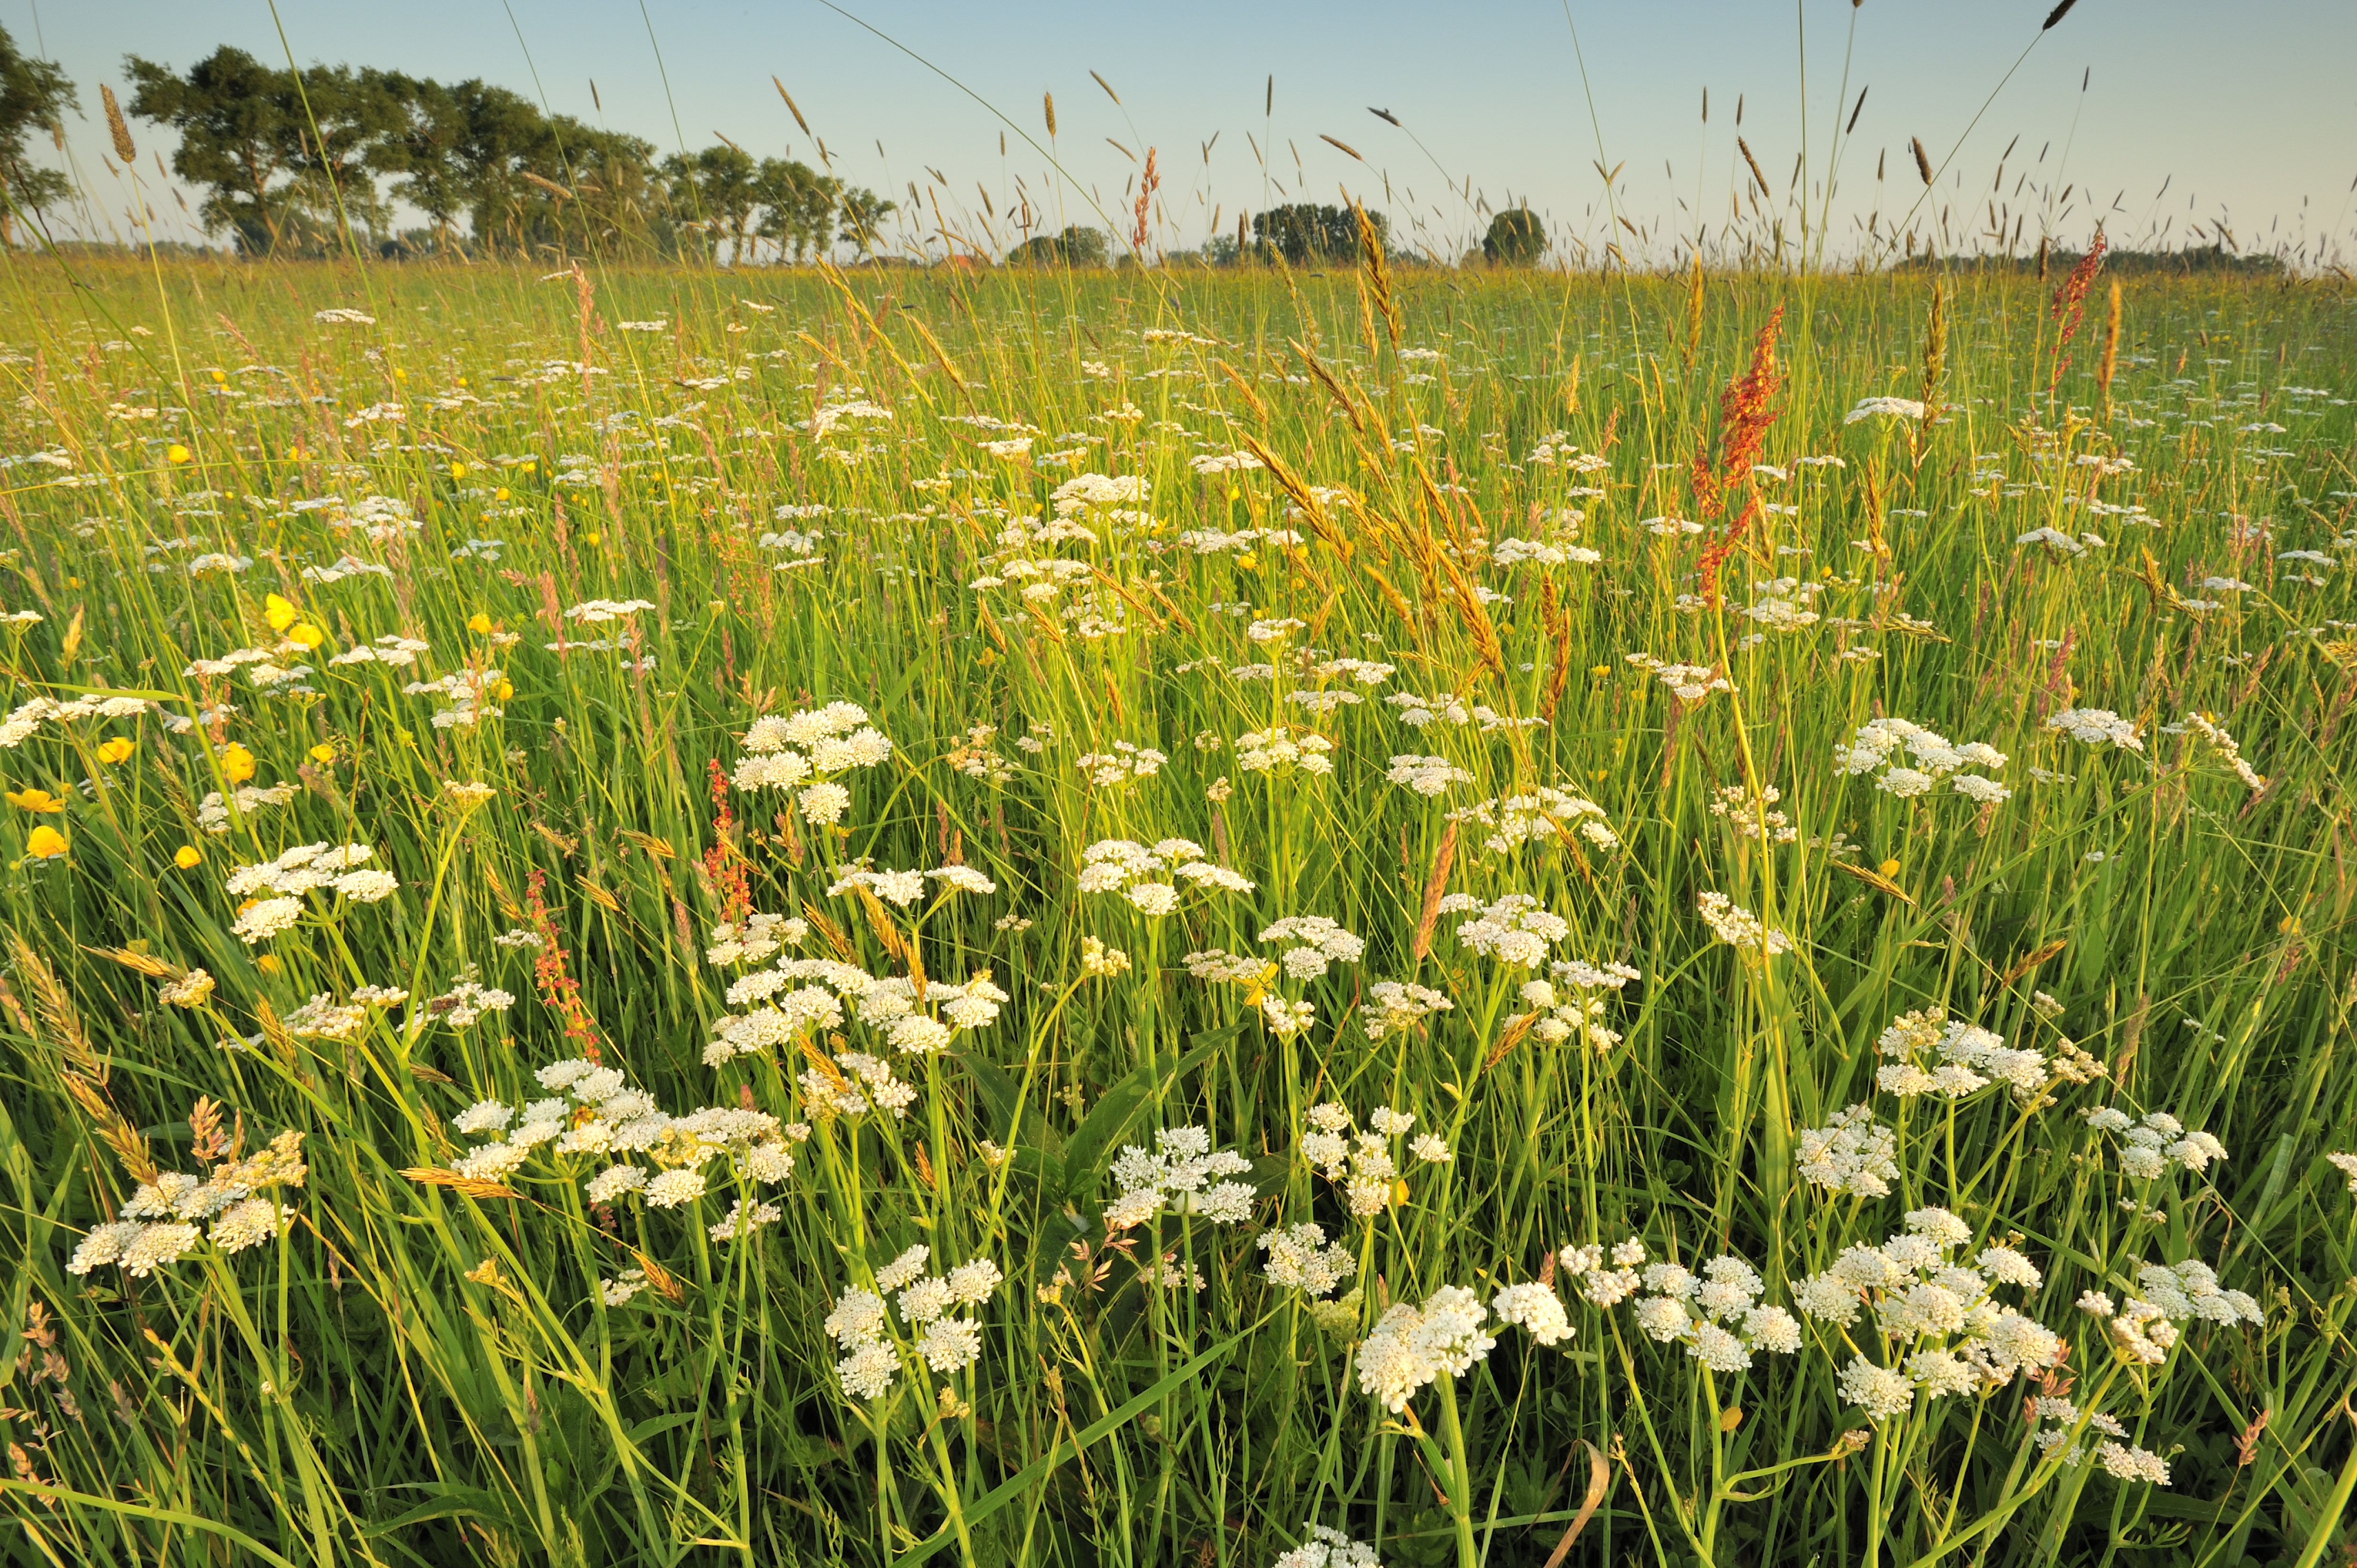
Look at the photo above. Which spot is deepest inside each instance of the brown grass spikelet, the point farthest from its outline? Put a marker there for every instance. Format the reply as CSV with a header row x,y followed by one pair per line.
x,y
2110,360
1935,354
60,1024
145,963
1556,620
1436,884
1745,149
1321,524
463,1186
116,127
837,943
1244,389
792,108
666,1283
1378,272
1694,311
1923,159
1048,101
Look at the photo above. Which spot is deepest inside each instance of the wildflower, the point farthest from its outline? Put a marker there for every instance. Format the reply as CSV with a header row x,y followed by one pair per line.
x,y
2096,726
1410,1347
1853,1155
37,800
1514,930
176,452
116,751
1327,1547
1184,1174
45,843
1879,1391
1300,1259
2347,1166
236,763
1313,942
1098,960
1394,1006
1740,929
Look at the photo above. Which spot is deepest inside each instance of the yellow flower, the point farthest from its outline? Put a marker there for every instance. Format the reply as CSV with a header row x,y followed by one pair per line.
x,y
323,752
267,963
220,376
279,613
401,375
1599,671
458,470
309,636
116,751
478,623
507,690
531,465
298,455
236,763
34,799
187,857
46,843
1890,868
176,452
500,494
590,539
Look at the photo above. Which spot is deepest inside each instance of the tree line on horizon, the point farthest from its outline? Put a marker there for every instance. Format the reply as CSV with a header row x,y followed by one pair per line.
x,y
287,162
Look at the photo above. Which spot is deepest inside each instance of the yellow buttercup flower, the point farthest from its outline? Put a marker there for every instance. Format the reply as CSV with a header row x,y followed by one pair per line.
x,y
507,690
478,623
1890,868
46,843
500,494
309,636
176,452
236,763
187,857
34,799
267,963
323,752
119,749
279,613
458,470
220,377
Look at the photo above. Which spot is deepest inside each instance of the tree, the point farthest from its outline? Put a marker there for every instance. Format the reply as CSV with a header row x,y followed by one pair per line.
x,y
230,113
797,206
718,187
862,211
1075,247
1308,232
34,95
428,127
1516,239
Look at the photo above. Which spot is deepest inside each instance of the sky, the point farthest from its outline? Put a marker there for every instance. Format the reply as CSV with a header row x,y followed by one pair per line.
x,y
2247,109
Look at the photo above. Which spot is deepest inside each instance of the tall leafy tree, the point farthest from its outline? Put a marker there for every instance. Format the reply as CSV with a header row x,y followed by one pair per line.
x,y
716,189
797,207
1307,232
34,96
861,212
1516,237
230,111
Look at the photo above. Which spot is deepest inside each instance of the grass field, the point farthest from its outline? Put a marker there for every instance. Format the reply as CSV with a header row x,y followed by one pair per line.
x,y
1128,918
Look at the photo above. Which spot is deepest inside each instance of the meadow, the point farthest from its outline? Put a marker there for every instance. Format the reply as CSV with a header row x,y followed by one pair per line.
x,y
1273,916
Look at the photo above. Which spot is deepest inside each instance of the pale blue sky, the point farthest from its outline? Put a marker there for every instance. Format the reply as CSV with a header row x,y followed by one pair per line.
x,y
2247,107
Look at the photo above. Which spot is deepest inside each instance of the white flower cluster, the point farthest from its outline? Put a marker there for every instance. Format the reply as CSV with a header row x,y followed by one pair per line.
x,y
905,887
1967,1058
1312,942
854,1084
2118,1458
305,868
798,996
1852,1155
1365,1165
466,1000
1547,553
1396,1007
605,1116
1277,751
212,811
757,937
1549,813
2096,726
1185,1174
1740,927
1754,817
1514,930
1412,1346
806,751
1932,1311
1717,1314
2347,1166
948,1344
1300,1259
1886,407
1878,743
2143,1328
1123,764
1138,873
2150,1145
472,694
1327,1547
159,1223
20,723
1427,776
1554,1018
1690,683
2208,729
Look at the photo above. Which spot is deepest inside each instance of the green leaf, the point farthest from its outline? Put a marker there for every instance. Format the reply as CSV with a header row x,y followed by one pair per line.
x,y
1110,1118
